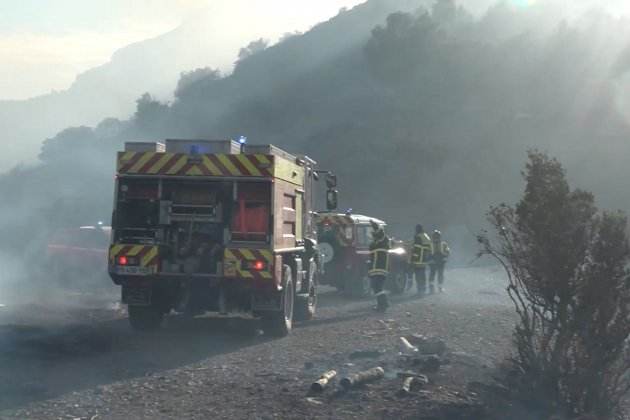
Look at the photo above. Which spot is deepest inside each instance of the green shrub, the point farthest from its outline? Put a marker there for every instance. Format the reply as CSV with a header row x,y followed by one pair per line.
x,y
567,265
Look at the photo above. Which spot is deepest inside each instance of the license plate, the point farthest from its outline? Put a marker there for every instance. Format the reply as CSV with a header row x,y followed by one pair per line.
x,y
133,271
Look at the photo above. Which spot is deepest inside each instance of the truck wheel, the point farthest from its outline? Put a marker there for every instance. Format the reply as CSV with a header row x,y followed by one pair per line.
x,y
279,324
397,283
305,304
145,318
327,252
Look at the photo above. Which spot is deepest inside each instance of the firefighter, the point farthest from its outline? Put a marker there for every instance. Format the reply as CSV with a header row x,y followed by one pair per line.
x,y
440,254
379,265
420,255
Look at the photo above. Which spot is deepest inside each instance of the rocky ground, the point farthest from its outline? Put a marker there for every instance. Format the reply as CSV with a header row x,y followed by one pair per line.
x,y
80,360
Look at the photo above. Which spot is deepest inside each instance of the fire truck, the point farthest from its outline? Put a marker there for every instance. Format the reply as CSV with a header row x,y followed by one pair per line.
x,y
214,226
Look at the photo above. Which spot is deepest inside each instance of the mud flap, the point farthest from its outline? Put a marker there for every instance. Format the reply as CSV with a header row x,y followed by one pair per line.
x,y
266,302
139,296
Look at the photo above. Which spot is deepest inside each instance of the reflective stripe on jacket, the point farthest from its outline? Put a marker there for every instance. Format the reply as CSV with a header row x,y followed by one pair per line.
x,y
379,255
422,250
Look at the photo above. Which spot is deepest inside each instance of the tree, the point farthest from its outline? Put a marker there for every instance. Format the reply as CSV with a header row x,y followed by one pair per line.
x,y
189,79
402,47
67,144
288,36
566,265
252,48
150,113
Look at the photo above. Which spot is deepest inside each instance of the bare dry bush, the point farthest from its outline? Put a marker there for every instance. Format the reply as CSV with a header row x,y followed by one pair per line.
x,y
567,266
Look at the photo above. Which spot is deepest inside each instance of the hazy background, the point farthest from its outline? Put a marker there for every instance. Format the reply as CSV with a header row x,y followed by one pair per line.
x,y
424,109
73,62
68,37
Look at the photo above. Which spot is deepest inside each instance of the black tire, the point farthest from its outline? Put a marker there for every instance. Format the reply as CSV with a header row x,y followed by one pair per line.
x,y
306,304
280,323
397,282
145,318
357,287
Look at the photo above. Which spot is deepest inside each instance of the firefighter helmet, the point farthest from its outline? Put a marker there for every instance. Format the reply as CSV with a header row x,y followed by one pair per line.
x,y
378,231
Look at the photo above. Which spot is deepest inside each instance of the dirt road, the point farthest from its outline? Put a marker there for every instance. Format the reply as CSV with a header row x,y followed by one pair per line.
x,y
82,361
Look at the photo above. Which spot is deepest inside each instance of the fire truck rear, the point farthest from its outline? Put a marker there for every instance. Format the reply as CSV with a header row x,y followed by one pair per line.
x,y
214,226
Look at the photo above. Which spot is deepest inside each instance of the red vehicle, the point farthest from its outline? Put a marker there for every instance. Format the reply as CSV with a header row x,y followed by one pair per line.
x,y
78,256
344,242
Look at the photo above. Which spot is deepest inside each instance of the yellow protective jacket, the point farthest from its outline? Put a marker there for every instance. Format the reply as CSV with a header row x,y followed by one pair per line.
x,y
441,251
379,256
422,250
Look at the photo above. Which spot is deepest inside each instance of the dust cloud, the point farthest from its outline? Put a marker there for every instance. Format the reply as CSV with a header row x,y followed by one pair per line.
x,y
424,110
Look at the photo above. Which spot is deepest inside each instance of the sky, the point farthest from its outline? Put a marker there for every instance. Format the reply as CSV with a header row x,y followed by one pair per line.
x,y
45,44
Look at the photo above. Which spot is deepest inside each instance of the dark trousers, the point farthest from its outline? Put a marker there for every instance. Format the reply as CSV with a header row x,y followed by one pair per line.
x,y
378,285
439,270
420,273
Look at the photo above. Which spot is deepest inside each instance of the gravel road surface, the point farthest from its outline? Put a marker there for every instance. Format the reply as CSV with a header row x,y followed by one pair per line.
x,y
78,359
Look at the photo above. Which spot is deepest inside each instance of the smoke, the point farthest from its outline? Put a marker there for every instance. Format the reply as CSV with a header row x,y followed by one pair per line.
x,y
425,119
48,205
620,74
424,116
559,9
11,277
107,57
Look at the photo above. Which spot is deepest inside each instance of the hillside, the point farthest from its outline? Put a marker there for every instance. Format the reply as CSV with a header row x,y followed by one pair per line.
x,y
434,112
426,117
109,90
207,39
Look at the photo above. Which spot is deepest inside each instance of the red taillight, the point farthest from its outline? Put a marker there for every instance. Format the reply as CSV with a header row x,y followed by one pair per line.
x,y
122,260
258,265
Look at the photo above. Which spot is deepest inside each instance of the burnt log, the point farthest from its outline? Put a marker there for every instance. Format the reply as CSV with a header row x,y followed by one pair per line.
x,y
406,348
427,345
407,386
423,379
362,378
432,364
320,384
412,382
